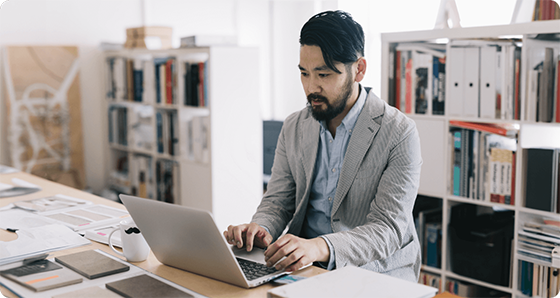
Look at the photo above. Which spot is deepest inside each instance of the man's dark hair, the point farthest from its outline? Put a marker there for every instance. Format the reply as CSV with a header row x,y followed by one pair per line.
x,y
337,34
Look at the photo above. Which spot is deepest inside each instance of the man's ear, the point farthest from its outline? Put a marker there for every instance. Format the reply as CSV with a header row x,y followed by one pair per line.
x,y
361,69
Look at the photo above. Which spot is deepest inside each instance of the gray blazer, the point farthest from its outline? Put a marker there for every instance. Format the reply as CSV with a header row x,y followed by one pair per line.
x,y
371,219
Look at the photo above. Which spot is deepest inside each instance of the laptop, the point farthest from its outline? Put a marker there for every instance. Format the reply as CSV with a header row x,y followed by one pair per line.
x,y
188,239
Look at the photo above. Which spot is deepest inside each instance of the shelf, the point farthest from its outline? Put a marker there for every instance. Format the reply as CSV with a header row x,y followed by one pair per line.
x,y
480,203
478,282
438,144
202,146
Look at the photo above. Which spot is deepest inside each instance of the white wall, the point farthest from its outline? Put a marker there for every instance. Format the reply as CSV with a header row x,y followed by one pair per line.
x,y
87,23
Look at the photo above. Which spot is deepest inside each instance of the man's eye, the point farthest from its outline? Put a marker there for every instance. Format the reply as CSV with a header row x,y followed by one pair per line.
x,y
304,74
323,75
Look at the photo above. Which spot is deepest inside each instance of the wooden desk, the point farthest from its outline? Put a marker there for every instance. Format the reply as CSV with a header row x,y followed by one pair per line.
x,y
200,284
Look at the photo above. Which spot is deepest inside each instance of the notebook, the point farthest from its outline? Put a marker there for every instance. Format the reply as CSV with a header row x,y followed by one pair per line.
x,y
188,238
144,286
92,264
42,275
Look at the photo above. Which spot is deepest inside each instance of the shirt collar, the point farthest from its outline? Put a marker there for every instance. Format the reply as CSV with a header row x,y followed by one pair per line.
x,y
350,119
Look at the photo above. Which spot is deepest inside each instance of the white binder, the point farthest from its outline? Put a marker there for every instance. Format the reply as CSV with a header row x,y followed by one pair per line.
x,y
455,76
488,82
471,82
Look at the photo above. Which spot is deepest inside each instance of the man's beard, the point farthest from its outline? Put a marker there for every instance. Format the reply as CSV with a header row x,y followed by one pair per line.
x,y
332,110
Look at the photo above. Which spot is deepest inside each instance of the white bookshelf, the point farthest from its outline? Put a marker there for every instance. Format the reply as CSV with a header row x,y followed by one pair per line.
x,y
435,140
225,176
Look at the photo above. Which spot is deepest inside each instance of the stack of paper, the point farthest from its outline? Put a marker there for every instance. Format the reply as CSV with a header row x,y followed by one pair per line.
x,y
36,235
353,282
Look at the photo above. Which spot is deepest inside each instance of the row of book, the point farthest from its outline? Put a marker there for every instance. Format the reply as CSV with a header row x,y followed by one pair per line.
x,y
135,175
154,80
543,96
428,228
427,215
196,93
538,280
142,80
483,161
546,10
431,280
118,123
484,79
142,182
417,81
167,132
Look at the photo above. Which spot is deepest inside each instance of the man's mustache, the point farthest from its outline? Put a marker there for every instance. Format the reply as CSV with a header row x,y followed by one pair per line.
x,y
316,97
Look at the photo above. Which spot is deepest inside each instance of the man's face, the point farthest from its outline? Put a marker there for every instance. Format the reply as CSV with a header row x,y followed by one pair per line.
x,y
327,91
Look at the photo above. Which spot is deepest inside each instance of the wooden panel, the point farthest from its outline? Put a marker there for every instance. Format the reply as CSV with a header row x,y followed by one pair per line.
x,y
43,112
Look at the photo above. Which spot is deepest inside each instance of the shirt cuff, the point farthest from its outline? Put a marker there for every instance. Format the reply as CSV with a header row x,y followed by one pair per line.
x,y
331,264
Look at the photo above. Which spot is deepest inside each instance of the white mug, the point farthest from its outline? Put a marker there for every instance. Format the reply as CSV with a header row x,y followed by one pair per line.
x,y
134,246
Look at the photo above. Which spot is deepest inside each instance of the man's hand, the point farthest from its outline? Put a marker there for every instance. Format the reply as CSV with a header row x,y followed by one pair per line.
x,y
248,235
298,252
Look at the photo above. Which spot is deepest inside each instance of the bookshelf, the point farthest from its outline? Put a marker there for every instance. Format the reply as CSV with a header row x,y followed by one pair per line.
x,y
184,127
438,108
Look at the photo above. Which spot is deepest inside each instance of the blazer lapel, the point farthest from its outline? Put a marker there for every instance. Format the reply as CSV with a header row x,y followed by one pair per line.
x,y
364,132
310,142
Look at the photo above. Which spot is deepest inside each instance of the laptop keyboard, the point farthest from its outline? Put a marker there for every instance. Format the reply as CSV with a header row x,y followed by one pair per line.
x,y
254,270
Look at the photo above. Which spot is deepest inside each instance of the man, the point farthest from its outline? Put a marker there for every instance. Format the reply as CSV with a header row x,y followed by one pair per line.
x,y
346,168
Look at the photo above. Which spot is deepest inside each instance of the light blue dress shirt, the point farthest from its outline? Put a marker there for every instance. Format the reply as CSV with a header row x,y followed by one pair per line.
x,y
330,157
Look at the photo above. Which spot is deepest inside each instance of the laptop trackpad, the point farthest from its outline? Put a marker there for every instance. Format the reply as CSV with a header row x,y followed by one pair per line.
x,y
256,255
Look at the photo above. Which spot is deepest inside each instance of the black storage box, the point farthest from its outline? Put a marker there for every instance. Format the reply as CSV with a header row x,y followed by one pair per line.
x,y
480,245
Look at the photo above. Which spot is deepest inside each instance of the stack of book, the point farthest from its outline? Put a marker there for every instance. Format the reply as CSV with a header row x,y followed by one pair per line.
x,y
543,96
483,160
538,280
418,80
537,240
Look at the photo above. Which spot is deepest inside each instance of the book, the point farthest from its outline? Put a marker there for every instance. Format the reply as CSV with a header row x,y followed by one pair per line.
x,y
42,275
92,264
89,292
433,244
144,286
557,93
438,86
456,154
501,163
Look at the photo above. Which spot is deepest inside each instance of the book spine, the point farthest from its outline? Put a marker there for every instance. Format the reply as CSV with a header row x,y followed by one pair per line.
x,y
397,90
169,81
557,101
159,128
157,82
408,86
457,163
201,83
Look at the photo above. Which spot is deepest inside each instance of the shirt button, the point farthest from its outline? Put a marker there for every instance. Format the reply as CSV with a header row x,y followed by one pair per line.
x,y
333,170
349,130
330,199
330,141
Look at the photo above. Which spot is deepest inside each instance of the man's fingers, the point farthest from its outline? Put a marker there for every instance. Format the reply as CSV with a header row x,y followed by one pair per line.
x,y
252,231
237,232
283,247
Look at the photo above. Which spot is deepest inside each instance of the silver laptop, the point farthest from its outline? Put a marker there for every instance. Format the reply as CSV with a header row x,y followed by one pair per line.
x,y
189,239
